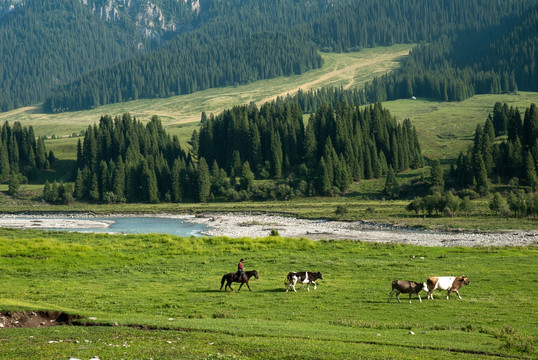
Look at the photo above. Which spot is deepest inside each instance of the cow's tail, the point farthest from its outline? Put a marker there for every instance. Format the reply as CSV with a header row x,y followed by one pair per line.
x,y
287,279
222,281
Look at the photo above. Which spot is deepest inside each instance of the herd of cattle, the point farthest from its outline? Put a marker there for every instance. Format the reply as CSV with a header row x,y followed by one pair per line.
x,y
446,283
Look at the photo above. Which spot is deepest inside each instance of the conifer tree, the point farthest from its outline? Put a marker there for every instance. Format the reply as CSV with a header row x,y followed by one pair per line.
x,y
324,183
149,183
530,172
436,173
79,185
204,180
176,180
391,188
247,177
481,176
94,188
14,184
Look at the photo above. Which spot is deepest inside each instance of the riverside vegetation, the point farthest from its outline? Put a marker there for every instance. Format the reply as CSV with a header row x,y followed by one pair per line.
x,y
157,296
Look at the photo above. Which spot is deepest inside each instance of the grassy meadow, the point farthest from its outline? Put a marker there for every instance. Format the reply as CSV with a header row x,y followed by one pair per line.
x,y
163,294
446,128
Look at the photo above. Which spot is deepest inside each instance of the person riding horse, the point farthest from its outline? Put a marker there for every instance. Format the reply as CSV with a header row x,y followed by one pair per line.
x,y
240,269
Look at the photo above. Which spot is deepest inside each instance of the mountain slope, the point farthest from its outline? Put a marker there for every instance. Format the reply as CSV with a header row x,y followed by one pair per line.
x,y
78,54
45,44
48,43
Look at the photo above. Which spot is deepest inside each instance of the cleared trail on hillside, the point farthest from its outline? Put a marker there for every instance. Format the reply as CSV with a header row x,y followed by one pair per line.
x,y
345,72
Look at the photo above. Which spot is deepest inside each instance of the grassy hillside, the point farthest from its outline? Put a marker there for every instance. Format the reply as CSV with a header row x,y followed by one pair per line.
x,y
170,286
446,128
344,69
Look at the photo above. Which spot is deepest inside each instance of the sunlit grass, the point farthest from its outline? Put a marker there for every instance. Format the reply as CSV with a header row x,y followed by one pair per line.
x,y
171,285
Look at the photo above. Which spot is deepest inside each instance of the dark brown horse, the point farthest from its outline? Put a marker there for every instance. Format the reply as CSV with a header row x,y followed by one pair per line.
x,y
233,277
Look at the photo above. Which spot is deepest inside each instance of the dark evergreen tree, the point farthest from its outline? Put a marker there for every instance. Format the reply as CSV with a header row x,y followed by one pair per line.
x,y
204,180
436,173
391,188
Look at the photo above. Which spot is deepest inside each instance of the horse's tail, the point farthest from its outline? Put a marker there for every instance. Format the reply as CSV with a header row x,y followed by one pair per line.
x,y
222,281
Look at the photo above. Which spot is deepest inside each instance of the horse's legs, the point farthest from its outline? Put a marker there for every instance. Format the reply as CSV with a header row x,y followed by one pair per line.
x,y
240,286
248,286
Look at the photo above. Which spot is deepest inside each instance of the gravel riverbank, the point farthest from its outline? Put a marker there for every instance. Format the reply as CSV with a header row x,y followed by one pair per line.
x,y
255,225
244,225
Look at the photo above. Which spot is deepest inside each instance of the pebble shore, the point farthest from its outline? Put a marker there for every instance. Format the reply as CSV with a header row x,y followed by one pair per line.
x,y
245,225
254,225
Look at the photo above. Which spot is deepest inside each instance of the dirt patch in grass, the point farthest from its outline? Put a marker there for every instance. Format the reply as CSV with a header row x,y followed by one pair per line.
x,y
34,319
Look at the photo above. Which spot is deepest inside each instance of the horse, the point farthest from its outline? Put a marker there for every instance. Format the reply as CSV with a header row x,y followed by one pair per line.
x,y
232,277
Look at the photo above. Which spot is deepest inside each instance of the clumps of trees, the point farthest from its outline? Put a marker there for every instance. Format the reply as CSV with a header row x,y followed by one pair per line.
x,y
58,193
447,205
509,160
517,203
338,146
123,160
21,154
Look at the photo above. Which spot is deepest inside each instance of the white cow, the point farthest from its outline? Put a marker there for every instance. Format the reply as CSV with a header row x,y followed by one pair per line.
x,y
449,283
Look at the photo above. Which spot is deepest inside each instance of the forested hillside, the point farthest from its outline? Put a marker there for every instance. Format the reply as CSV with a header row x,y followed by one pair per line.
x,y
188,65
48,43
494,59
297,28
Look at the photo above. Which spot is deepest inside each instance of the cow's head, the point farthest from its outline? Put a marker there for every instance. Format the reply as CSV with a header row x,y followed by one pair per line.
x,y
320,276
465,280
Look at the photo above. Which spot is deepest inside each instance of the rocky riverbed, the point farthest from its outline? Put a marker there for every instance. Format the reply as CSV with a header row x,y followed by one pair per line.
x,y
256,225
244,225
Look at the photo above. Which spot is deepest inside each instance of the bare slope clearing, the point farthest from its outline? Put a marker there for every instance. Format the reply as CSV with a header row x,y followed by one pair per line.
x,y
353,69
343,69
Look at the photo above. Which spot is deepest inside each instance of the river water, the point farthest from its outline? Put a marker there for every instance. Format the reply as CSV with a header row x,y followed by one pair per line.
x,y
126,225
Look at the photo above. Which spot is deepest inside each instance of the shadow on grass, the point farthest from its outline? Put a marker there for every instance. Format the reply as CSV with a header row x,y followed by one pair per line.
x,y
275,290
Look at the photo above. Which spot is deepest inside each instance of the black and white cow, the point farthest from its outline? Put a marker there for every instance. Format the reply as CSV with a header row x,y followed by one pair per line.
x,y
407,287
304,277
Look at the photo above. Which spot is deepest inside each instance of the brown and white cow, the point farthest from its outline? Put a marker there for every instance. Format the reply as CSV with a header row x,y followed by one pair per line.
x,y
449,283
305,277
407,287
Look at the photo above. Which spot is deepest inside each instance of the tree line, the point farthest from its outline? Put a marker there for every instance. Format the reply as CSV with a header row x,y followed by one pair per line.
x,y
123,160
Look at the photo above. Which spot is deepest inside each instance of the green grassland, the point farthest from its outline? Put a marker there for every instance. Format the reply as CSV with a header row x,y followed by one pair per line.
x,y
163,292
